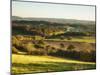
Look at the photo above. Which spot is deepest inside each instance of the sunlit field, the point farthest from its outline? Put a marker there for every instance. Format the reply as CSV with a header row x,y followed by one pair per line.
x,y
33,64
83,39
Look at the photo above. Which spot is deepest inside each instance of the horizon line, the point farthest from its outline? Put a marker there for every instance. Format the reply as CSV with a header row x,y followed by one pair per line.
x,y
52,18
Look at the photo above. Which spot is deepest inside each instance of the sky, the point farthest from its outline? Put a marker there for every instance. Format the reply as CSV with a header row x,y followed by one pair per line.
x,y
48,10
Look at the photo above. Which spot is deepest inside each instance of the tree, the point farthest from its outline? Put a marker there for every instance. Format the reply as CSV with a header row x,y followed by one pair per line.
x,y
69,38
15,41
62,45
70,47
62,37
30,47
40,44
14,50
48,49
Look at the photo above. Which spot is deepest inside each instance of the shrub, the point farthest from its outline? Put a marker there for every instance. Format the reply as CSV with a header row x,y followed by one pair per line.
x,y
15,41
70,47
14,50
62,45
93,54
38,38
48,49
29,47
69,38
40,44
62,37
38,52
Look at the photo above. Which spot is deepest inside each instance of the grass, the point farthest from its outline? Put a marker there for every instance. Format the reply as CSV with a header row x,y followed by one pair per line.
x,y
34,64
87,39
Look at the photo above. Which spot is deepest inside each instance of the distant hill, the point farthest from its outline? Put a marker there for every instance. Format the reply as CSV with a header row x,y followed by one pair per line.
x,y
16,18
56,20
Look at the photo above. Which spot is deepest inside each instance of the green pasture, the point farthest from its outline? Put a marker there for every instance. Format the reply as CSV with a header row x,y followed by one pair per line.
x,y
34,64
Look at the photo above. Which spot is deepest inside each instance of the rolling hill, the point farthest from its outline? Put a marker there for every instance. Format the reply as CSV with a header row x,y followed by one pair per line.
x,y
56,20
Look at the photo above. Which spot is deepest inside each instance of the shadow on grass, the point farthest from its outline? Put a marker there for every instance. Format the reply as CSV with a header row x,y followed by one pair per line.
x,y
18,68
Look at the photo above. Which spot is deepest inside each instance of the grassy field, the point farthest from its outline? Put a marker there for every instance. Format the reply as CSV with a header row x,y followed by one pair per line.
x,y
33,64
88,40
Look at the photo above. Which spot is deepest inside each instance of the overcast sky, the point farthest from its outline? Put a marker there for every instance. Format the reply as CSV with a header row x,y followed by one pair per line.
x,y
45,10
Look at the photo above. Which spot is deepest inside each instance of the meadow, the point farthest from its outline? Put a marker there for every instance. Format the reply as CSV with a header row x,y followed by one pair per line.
x,y
33,64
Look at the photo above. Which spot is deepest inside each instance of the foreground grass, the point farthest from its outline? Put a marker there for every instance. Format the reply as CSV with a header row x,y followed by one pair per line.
x,y
33,64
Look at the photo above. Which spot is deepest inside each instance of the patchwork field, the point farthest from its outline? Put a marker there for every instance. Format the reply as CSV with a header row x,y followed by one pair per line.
x,y
33,64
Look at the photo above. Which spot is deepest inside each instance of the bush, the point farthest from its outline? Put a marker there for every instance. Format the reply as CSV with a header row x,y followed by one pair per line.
x,y
93,54
40,44
62,45
77,55
69,38
15,41
14,50
38,52
38,38
30,47
70,47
